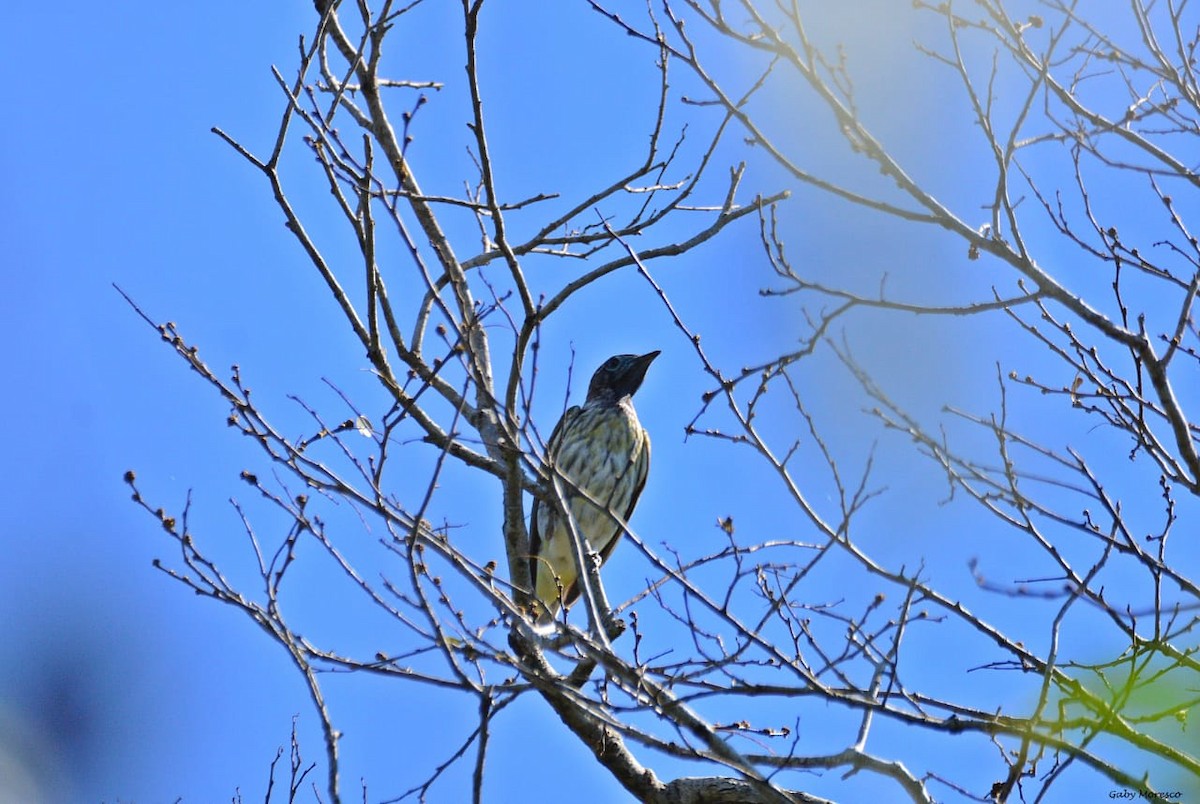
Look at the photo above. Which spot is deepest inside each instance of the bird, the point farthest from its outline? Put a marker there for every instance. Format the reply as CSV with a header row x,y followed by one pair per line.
x,y
601,449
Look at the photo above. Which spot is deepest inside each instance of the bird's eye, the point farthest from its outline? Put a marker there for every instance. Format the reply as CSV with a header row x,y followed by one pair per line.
x,y
612,363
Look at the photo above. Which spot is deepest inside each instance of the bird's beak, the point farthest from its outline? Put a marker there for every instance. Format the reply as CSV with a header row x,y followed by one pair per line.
x,y
637,369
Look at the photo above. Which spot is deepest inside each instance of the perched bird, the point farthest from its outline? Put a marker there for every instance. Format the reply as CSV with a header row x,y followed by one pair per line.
x,y
601,449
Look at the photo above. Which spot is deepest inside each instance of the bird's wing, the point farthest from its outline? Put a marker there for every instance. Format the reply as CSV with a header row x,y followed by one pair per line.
x,y
641,470
535,536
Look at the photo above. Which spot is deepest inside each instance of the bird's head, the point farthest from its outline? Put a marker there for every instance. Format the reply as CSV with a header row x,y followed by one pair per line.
x,y
619,376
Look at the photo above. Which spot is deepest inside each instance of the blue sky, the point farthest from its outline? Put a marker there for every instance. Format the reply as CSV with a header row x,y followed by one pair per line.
x,y
120,685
